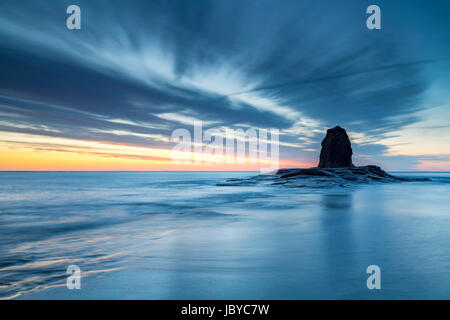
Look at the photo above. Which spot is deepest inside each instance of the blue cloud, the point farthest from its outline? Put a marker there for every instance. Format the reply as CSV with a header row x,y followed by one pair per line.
x,y
135,60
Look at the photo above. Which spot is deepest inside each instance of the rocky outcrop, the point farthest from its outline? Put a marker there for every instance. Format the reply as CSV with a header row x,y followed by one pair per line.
x,y
322,177
355,174
335,169
336,149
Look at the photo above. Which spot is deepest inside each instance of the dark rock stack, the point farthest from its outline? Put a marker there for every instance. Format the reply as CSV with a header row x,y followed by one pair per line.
x,y
336,149
335,169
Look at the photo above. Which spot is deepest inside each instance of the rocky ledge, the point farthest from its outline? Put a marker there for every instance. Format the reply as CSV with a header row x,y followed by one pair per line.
x,y
322,177
335,168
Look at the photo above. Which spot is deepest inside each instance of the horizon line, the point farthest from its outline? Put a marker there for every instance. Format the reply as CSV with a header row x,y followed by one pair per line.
x,y
1,171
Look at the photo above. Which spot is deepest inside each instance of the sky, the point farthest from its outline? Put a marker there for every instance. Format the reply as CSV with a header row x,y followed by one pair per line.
x,y
109,96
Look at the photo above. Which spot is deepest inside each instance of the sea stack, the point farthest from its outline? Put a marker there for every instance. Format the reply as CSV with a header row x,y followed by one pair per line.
x,y
335,169
336,149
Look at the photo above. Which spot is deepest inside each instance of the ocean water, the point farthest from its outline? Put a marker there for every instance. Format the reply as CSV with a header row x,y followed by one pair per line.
x,y
177,235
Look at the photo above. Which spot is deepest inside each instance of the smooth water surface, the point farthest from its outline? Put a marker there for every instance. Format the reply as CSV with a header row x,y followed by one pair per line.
x,y
176,235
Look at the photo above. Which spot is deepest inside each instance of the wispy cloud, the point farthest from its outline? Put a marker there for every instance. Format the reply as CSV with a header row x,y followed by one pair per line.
x,y
139,69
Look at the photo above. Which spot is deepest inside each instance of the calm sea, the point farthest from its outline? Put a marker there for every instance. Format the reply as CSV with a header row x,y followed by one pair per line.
x,y
176,235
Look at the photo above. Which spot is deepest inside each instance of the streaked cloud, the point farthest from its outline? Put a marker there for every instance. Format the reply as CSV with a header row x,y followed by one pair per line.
x,y
140,69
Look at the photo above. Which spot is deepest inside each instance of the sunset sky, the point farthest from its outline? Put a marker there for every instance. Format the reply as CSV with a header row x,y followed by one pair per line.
x,y
109,96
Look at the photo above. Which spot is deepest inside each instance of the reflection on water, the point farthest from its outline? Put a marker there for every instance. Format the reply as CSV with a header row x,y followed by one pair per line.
x,y
340,245
179,236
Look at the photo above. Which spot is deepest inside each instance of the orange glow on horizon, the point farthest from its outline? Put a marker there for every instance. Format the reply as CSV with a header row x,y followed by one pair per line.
x,y
25,159
430,165
28,159
27,152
